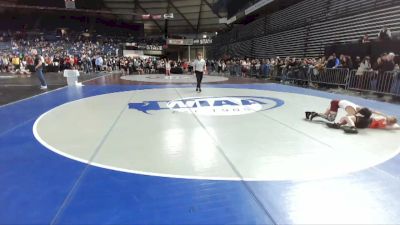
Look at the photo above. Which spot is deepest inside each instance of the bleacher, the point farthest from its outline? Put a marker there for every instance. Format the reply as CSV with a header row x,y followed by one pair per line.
x,y
348,7
279,44
5,45
305,28
297,15
240,49
351,28
253,29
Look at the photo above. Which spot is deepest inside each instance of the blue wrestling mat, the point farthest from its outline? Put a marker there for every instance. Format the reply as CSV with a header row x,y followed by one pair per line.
x,y
163,154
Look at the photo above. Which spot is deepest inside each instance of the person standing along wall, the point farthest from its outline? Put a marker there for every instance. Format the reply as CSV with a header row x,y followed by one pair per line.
x,y
167,67
38,63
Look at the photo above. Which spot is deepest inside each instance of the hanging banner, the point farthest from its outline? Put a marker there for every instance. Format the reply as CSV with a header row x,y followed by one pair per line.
x,y
204,41
180,41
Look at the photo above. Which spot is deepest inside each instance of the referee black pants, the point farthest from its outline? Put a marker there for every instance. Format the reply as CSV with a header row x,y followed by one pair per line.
x,y
199,76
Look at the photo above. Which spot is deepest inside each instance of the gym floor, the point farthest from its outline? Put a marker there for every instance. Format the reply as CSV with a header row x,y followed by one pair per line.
x,y
150,150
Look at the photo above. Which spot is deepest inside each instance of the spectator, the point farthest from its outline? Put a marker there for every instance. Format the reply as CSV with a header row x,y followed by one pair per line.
x,y
345,62
362,80
388,63
99,63
384,34
167,67
39,69
384,80
219,66
365,65
5,64
320,66
365,39
357,62
333,62
23,71
16,62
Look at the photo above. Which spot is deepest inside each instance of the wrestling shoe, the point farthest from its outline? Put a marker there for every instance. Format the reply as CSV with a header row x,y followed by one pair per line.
x,y
308,114
313,115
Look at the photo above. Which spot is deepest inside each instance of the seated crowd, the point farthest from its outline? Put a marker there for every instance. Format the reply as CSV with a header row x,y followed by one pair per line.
x,y
63,53
77,52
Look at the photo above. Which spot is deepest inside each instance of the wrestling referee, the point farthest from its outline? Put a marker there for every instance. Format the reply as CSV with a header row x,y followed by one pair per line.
x,y
199,66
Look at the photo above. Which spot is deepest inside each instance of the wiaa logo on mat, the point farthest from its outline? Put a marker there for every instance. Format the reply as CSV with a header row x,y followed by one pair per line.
x,y
211,106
